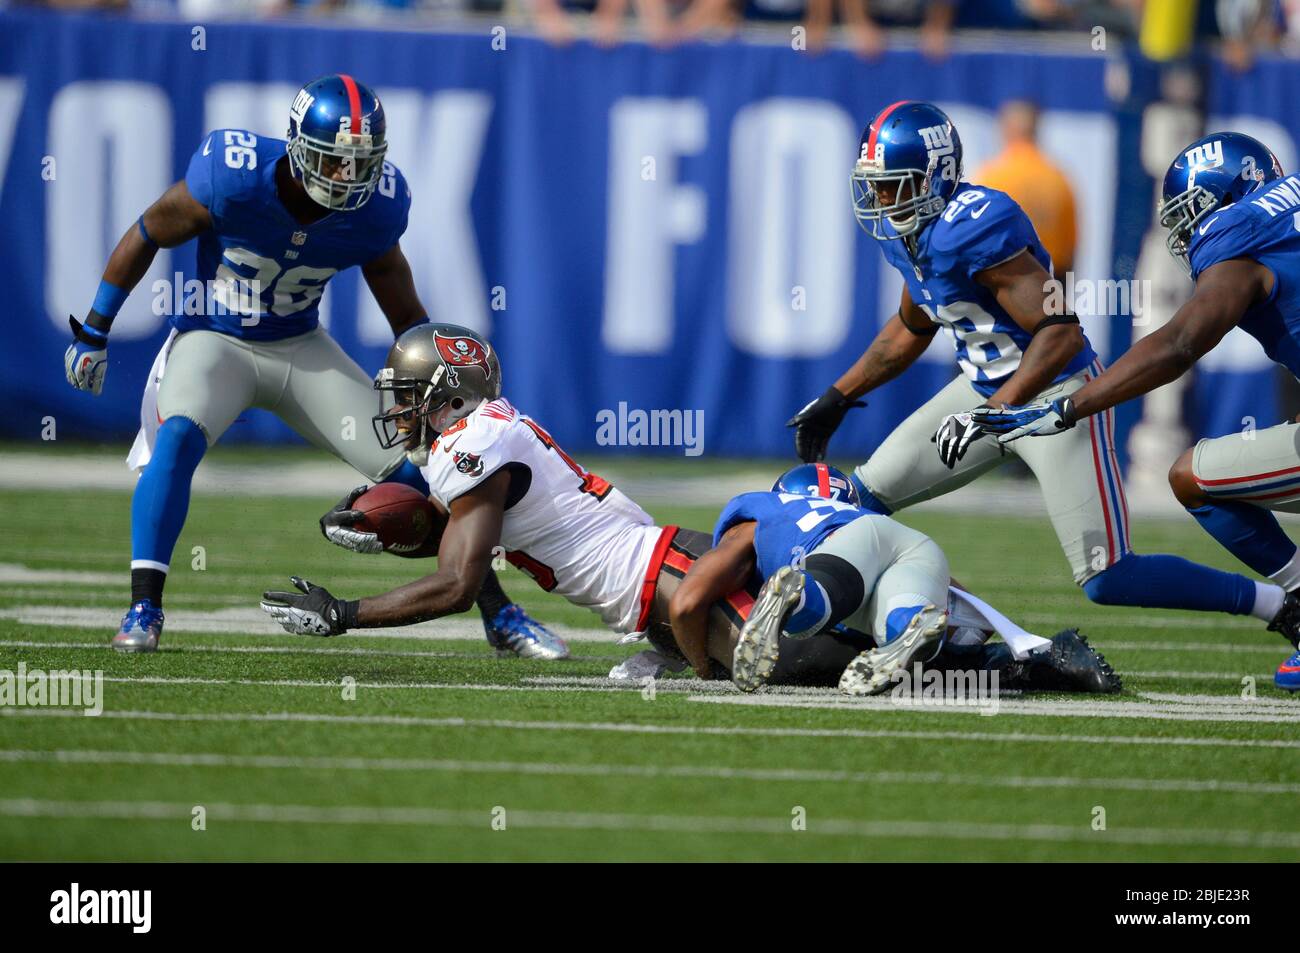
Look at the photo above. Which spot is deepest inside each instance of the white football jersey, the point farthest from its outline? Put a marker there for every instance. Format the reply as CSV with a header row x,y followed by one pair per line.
x,y
571,531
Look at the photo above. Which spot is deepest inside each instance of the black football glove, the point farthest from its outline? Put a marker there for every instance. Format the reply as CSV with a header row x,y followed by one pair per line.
x,y
314,612
814,425
954,436
337,525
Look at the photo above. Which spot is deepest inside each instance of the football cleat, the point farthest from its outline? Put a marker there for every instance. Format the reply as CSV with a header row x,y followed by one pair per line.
x,y
1287,620
872,672
141,628
513,632
1288,674
1070,664
756,652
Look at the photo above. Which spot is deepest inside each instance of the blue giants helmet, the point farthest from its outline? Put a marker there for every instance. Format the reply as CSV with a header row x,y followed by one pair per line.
x,y
337,141
817,479
1212,172
908,167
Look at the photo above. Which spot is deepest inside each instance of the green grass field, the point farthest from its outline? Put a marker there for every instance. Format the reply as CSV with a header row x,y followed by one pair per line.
x,y
444,744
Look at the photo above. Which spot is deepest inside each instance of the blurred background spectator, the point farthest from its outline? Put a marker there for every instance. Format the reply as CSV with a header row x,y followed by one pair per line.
x,y
1025,173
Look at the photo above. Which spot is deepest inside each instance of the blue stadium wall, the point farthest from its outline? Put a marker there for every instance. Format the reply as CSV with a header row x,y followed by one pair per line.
x,y
662,229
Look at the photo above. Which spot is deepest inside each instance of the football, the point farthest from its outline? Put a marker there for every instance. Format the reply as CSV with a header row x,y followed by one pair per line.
x,y
400,515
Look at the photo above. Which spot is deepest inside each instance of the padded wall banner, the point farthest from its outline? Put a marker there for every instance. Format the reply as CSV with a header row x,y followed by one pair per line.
x,y
636,229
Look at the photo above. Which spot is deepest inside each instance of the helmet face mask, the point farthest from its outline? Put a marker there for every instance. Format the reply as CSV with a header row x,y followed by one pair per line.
x,y
899,195
1180,215
341,178
338,165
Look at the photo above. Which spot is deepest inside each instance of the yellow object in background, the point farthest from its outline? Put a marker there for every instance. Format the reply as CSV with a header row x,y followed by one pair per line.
x,y
1168,28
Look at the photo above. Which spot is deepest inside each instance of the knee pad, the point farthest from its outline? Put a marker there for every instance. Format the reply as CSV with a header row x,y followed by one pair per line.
x,y
840,578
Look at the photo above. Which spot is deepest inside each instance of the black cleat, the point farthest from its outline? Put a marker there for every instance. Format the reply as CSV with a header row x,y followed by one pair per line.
x,y
1287,620
1071,665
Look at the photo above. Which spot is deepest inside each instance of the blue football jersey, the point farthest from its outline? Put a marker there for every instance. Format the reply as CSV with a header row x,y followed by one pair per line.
x,y
789,526
1262,228
979,228
254,238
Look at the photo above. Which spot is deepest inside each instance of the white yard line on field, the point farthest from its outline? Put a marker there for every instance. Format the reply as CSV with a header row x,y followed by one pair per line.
x,y
1212,708
623,727
248,649
664,823
1056,709
253,621
599,769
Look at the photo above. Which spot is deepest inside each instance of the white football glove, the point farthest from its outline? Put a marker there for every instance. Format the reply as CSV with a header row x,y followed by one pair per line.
x,y
337,525
1039,419
85,362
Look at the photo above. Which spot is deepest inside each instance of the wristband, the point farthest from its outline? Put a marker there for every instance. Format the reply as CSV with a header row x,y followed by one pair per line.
x,y
109,299
348,612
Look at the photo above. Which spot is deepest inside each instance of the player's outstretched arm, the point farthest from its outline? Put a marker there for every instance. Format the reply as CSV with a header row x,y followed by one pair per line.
x,y
1022,286
391,282
900,342
714,576
175,218
1224,292
464,557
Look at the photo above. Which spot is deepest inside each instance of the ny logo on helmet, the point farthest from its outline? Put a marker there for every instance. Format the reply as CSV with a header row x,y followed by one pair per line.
x,y
301,103
938,147
462,352
1202,158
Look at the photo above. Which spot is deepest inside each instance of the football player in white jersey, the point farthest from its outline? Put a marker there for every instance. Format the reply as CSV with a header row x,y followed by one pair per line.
x,y
504,483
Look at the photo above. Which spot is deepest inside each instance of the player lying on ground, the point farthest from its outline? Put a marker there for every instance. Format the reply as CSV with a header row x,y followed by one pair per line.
x,y
972,263
1231,218
826,562
505,485
275,222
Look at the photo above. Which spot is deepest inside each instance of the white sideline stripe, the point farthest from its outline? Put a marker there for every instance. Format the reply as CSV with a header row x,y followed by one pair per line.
x,y
249,649
280,762
417,721
677,823
253,621
1154,712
